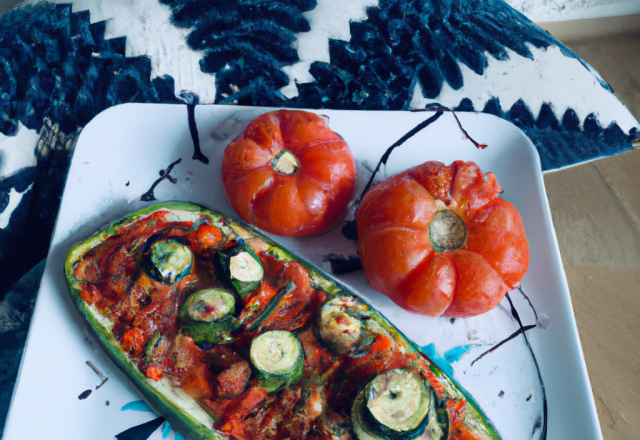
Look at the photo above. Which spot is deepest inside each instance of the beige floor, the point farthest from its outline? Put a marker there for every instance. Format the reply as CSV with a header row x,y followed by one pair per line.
x,y
596,214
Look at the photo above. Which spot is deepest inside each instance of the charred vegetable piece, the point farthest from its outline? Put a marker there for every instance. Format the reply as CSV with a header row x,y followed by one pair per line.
x,y
243,268
278,359
338,328
271,306
172,259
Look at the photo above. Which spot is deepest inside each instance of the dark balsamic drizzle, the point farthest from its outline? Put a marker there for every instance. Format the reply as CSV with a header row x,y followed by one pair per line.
x,y
84,394
164,174
530,304
495,347
102,377
141,432
193,129
514,312
480,146
350,230
385,157
341,265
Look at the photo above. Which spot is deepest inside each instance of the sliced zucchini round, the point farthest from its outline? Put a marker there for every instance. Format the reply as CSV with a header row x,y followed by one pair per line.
x,y
338,328
278,358
447,231
219,332
243,268
207,316
208,305
393,406
172,259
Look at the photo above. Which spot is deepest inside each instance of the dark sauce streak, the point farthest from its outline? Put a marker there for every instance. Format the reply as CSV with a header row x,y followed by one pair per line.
x,y
141,432
530,304
495,347
543,434
438,107
193,129
402,140
350,230
102,377
84,395
480,146
102,383
341,265
164,174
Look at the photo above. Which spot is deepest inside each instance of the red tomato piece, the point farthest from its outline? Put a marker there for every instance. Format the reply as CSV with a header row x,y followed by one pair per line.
x,y
132,341
476,251
288,173
208,235
233,381
154,372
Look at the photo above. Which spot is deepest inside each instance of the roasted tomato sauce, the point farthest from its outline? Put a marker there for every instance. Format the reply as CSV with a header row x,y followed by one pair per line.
x,y
115,278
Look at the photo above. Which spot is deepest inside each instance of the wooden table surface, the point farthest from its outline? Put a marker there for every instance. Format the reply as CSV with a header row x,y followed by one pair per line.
x,y
596,215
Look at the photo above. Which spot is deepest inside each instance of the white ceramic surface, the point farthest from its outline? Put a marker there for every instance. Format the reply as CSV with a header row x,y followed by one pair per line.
x,y
119,156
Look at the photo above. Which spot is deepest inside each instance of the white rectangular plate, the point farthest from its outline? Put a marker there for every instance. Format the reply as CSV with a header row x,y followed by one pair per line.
x,y
120,154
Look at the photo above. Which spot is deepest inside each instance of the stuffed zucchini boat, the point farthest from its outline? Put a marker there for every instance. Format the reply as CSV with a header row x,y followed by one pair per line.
x,y
229,336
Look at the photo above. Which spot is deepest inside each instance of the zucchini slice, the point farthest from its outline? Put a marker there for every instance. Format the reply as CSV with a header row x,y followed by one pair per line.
x,y
243,268
192,330
397,400
207,316
208,305
337,325
172,259
394,406
278,358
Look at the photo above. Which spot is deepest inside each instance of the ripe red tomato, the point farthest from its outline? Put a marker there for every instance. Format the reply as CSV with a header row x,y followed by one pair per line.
x,y
438,240
288,173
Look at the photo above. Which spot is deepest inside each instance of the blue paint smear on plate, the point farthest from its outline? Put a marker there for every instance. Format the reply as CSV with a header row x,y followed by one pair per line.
x,y
137,405
450,356
166,429
178,436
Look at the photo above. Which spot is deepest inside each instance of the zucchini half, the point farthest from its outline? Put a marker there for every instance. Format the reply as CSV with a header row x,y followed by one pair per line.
x,y
184,412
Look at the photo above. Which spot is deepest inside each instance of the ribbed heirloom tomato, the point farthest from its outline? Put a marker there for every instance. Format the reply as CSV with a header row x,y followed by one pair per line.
x,y
288,173
438,240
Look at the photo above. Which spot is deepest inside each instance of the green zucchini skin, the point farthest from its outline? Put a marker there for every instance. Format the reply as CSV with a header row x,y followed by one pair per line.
x,y
161,400
270,380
